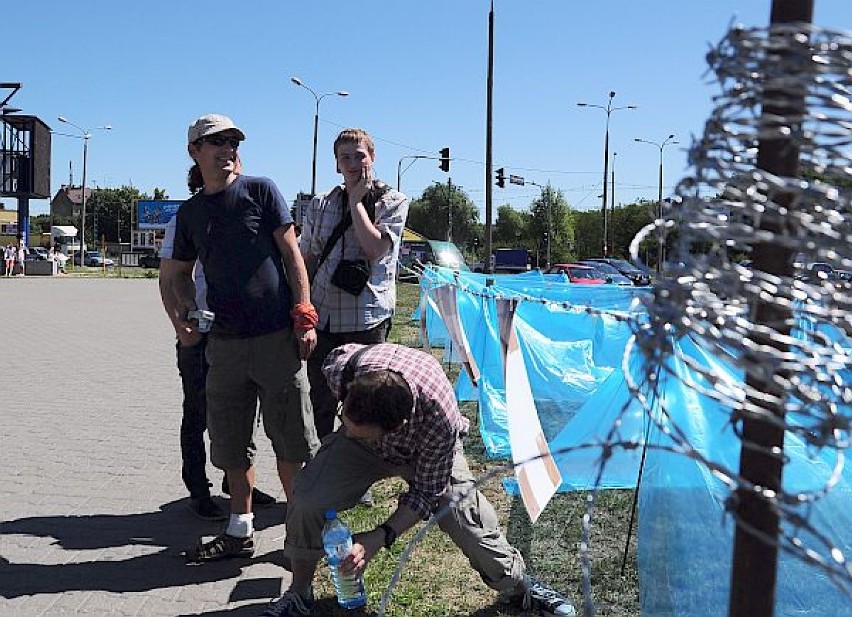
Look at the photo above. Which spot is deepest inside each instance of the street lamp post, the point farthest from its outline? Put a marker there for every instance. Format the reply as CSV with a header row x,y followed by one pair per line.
x,y
400,170
317,98
608,109
85,135
661,145
612,205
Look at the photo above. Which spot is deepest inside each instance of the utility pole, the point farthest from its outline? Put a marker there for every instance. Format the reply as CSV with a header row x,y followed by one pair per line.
x,y
612,207
549,224
489,99
606,247
661,242
449,209
755,555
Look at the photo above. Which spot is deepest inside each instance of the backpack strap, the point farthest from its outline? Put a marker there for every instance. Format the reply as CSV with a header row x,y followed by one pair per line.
x,y
348,374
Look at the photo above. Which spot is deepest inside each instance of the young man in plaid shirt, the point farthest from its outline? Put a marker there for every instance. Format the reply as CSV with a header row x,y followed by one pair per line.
x,y
399,419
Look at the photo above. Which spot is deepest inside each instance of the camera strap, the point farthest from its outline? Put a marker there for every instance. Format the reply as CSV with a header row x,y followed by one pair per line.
x,y
346,219
339,230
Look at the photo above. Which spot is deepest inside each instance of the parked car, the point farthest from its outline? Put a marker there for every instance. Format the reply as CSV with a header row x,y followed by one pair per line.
x,y
638,276
611,273
819,272
97,260
93,259
37,253
415,254
578,273
149,260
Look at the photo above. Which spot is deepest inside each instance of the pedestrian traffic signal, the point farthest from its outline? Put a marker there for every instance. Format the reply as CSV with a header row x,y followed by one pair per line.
x,y
445,159
501,178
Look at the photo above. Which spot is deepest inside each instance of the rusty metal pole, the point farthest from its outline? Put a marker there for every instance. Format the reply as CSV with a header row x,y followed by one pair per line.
x,y
755,559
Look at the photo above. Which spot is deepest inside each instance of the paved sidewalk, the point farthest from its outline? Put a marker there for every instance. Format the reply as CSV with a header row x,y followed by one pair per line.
x,y
94,513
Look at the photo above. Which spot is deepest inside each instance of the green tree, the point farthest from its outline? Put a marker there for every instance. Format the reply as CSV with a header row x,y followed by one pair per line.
x,y
588,234
108,214
39,224
550,213
628,220
511,229
429,215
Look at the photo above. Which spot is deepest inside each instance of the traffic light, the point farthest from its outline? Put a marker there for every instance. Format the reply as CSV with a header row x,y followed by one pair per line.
x,y
445,159
501,178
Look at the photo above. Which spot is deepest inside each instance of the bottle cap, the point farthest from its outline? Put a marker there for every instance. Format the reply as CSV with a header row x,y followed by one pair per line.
x,y
330,514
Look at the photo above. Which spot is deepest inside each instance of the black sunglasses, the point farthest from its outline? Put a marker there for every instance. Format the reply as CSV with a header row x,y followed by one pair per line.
x,y
218,141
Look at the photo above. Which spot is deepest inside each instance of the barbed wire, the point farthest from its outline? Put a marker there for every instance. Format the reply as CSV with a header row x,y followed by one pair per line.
x,y
721,212
708,296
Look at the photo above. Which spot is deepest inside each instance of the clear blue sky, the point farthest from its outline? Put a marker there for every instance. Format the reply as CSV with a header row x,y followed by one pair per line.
x,y
415,71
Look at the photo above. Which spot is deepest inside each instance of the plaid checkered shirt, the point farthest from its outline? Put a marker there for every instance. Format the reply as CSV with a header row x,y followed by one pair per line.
x,y
426,442
338,310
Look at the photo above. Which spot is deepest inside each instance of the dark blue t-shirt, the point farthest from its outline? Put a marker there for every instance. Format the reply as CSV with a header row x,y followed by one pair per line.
x,y
231,233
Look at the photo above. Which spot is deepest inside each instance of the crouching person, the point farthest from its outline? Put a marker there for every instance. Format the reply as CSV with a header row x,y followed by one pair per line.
x,y
399,419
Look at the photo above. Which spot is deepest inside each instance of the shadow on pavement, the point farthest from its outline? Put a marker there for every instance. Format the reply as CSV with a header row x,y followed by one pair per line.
x,y
247,610
172,527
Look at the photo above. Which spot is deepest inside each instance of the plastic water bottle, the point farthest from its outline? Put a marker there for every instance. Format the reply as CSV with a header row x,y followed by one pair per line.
x,y
337,540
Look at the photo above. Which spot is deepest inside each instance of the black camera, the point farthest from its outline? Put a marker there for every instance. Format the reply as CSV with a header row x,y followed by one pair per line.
x,y
351,275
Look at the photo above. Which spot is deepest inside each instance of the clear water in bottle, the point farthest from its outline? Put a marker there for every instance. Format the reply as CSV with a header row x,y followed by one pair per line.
x,y
337,540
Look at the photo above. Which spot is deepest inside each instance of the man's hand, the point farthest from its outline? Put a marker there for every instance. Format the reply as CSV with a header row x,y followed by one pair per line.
x,y
307,342
360,190
177,291
187,332
364,546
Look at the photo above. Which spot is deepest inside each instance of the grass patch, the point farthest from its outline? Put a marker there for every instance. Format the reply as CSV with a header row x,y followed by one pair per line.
x,y
438,581
115,272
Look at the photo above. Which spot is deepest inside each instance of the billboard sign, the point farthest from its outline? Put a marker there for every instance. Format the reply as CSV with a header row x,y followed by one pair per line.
x,y
155,213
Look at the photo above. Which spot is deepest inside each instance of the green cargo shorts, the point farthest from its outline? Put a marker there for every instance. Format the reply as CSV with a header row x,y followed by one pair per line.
x,y
244,371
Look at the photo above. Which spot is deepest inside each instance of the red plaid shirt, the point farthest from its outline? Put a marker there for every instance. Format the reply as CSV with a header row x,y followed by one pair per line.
x,y
426,442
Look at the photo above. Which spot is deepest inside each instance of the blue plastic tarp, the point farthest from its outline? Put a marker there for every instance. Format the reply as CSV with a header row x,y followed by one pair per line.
x,y
574,340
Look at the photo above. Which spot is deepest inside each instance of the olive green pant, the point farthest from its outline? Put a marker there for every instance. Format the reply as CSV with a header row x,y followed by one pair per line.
x,y
344,469
264,369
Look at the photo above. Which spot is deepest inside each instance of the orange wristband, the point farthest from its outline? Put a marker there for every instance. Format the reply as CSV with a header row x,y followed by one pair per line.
x,y
304,316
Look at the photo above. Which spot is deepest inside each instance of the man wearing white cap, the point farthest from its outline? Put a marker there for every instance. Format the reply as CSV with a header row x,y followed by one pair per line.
x,y
241,230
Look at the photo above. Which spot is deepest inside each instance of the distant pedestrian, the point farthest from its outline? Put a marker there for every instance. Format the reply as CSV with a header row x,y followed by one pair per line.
x,y
22,256
241,230
9,259
59,257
